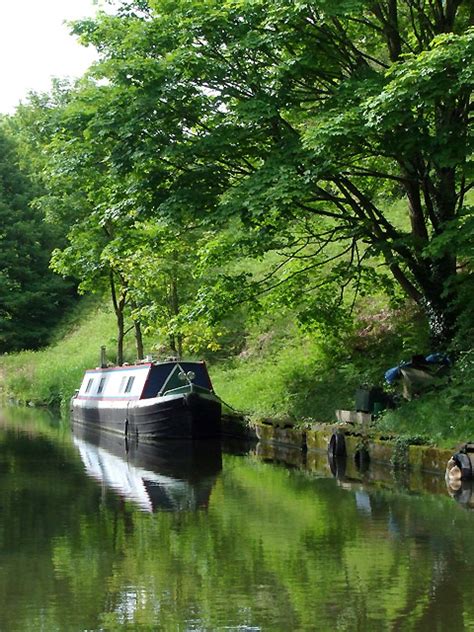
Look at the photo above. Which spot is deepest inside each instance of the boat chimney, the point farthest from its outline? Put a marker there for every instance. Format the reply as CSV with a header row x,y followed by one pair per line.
x,y
103,358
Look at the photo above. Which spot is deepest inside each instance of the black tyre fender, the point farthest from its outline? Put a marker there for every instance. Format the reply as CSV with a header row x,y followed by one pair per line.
x,y
337,465
465,465
337,445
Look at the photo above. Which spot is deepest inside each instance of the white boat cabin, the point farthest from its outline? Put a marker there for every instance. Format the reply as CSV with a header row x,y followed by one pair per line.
x,y
142,381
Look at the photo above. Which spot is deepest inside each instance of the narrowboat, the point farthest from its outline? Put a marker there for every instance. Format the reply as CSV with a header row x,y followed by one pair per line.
x,y
150,401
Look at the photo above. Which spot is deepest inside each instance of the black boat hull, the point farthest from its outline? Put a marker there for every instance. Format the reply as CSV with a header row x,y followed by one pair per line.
x,y
180,416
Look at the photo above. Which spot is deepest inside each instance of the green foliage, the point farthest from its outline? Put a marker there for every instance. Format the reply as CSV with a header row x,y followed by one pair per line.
x,y
49,377
32,298
401,443
444,415
289,125
295,121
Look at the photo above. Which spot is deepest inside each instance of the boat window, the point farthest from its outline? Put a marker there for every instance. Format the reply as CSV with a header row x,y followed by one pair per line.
x,y
123,381
130,381
101,385
89,384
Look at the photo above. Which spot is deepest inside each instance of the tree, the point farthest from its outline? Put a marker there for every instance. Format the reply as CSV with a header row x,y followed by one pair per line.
x,y
76,193
111,245
302,119
32,298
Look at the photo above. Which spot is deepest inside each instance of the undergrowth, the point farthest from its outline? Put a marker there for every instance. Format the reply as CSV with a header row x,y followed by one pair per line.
x,y
444,415
297,381
282,372
48,377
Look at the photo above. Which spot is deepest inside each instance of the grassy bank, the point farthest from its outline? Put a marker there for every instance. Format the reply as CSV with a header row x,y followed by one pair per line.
x,y
48,377
444,416
280,374
291,379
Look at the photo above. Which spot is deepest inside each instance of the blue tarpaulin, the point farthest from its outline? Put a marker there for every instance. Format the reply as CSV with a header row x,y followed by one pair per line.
x,y
391,375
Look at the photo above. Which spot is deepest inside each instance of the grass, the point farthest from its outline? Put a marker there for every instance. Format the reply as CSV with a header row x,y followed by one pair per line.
x,y
305,378
286,373
445,416
296,382
48,377
281,374
302,384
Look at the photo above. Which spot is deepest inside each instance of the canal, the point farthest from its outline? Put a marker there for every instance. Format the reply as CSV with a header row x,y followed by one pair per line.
x,y
179,538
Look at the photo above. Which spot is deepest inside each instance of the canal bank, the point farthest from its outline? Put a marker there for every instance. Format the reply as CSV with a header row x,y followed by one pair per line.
x,y
356,442
237,541
367,461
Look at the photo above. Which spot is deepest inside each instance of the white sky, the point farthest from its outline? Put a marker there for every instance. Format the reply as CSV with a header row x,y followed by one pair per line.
x,y
35,45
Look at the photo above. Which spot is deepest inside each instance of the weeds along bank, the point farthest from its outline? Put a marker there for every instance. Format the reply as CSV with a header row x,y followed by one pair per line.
x,y
48,377
307,383
280,373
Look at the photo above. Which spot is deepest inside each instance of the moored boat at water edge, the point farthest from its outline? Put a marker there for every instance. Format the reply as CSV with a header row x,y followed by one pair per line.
x,y
151,400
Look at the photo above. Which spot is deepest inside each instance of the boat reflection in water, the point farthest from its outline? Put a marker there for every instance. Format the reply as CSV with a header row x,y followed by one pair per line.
x,y
168,476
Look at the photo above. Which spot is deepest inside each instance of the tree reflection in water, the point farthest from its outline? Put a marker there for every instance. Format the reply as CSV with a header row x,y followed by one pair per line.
x,y
254,546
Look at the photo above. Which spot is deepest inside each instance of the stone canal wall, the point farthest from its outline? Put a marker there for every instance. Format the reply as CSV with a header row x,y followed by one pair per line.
x,y
360,444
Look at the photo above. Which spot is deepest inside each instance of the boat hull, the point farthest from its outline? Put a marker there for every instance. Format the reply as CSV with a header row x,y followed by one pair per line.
x,y
180,416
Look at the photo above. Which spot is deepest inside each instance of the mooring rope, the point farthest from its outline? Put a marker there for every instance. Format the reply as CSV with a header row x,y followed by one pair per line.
x,y
239,412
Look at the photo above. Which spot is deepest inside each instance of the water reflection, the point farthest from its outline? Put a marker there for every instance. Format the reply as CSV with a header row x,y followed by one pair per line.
x,y
338,465
276,549
462,492
170,476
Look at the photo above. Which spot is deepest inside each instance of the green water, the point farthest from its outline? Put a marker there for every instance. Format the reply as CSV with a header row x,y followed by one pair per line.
x,y
90,541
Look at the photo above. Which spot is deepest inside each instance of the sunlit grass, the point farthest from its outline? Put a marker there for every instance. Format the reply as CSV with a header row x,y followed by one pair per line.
x,y
297,382
444,417
282,373
48,377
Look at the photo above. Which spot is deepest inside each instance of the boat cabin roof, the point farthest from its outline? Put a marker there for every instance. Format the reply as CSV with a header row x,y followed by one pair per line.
x,y
142,381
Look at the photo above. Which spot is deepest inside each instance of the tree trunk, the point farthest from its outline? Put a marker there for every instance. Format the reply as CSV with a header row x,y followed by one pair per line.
x,y
440,304
173,344
176,340
120,337
387,15
138,340
119,305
